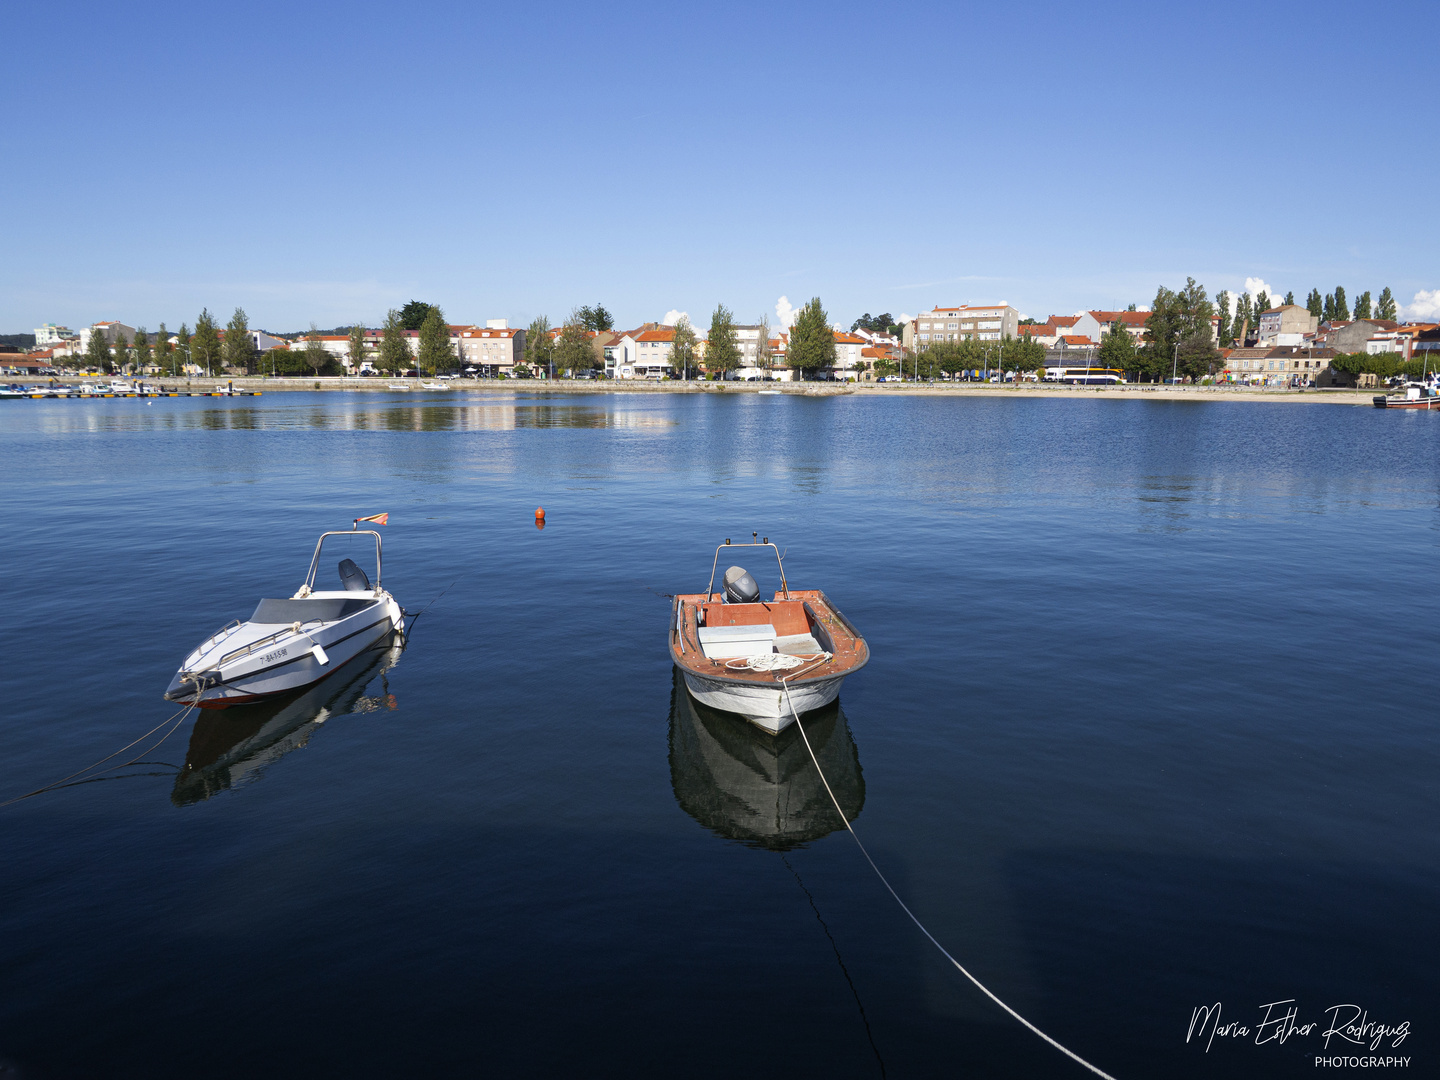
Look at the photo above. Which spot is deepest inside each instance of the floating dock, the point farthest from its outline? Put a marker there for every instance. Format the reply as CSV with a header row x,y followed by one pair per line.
x,y
137,394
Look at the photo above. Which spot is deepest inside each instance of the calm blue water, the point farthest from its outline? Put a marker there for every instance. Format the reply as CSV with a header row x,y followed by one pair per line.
x,y
1150,724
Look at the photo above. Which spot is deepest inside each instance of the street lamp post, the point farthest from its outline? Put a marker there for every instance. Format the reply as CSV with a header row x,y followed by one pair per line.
x,y
1175,367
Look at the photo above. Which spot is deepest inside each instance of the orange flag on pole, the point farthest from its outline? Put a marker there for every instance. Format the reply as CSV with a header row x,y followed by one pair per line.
x,y
378,519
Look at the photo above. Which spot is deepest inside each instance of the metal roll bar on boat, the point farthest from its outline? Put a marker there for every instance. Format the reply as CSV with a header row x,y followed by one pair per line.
x,y
309,585
784,587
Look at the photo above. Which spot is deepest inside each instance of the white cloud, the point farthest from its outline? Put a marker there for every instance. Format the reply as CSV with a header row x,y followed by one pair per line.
x,y
903,318
673,317
1255,286
1424,308
785,312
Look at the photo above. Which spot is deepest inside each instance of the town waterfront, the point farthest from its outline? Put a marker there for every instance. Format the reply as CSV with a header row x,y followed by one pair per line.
x,y
1149,725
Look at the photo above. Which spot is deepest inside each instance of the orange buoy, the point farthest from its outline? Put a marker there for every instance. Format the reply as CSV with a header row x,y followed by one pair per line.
x,y
539,513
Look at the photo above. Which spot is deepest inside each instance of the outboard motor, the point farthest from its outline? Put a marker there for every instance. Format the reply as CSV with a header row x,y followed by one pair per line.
x,y
740,587
352,578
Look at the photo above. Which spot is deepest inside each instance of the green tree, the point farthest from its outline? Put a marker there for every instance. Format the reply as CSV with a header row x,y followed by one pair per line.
x,y
876,324
1362,305
1289,299
1315,304
1328,311
539,343
356,349
164,351
1386,309
412,315
721,353
1179,331
1262,305
205,343
1027,354
239,345
315,355
1244,319
142,350
1117,348
596,318
764,356
394,346
812,342
436,352
1342,309
182,343
1227,331
97,351
682,351
574,348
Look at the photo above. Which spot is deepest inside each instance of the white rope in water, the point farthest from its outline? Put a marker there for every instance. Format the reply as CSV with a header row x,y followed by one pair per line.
x,y
958,966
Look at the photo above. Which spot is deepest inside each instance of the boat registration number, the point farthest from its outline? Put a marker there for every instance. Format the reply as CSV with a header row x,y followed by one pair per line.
x,y
274,655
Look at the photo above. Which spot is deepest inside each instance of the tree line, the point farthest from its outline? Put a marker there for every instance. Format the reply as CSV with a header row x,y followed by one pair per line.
x,y
1329,308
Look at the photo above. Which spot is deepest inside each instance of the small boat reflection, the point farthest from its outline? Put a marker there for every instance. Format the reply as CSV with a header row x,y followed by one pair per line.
x,y
757,788
231,747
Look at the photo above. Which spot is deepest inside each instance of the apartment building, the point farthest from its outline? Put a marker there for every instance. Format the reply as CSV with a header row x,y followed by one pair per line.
x,y
115,333
492,349
50,334
1288,324
850,361
978,322
643,353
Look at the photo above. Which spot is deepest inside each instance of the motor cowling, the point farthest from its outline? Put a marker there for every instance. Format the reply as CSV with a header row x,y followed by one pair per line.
x,y
352,578
740,587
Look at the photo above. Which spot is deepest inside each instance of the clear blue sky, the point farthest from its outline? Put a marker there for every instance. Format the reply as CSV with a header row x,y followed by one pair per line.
x,y
327,161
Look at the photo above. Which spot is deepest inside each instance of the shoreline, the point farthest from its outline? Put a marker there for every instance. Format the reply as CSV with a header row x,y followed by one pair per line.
x,y
508,387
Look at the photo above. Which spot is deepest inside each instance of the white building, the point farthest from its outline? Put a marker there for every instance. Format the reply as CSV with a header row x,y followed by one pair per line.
x,y
1288,324
849,361
980,322
114,333
493,349
1096,324
50,334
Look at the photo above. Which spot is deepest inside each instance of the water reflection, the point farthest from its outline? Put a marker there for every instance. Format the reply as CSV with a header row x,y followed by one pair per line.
x,y
283,415
761,789
230,747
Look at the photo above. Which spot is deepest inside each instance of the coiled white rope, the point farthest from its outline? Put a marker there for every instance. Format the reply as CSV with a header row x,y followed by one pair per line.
x,y
772,661
958,966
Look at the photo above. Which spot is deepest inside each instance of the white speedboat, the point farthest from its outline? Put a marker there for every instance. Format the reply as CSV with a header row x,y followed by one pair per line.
x,y
291,643
399,386
433,386
766,661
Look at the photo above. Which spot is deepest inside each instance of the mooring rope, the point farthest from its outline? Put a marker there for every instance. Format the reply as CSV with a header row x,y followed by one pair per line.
x,y
179,718
958,966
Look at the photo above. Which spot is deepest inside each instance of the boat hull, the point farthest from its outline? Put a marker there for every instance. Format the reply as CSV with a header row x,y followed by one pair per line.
x,y
765,704
341,643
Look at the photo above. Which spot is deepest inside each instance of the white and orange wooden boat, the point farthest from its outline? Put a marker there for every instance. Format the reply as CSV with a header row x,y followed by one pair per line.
x,y
741,654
